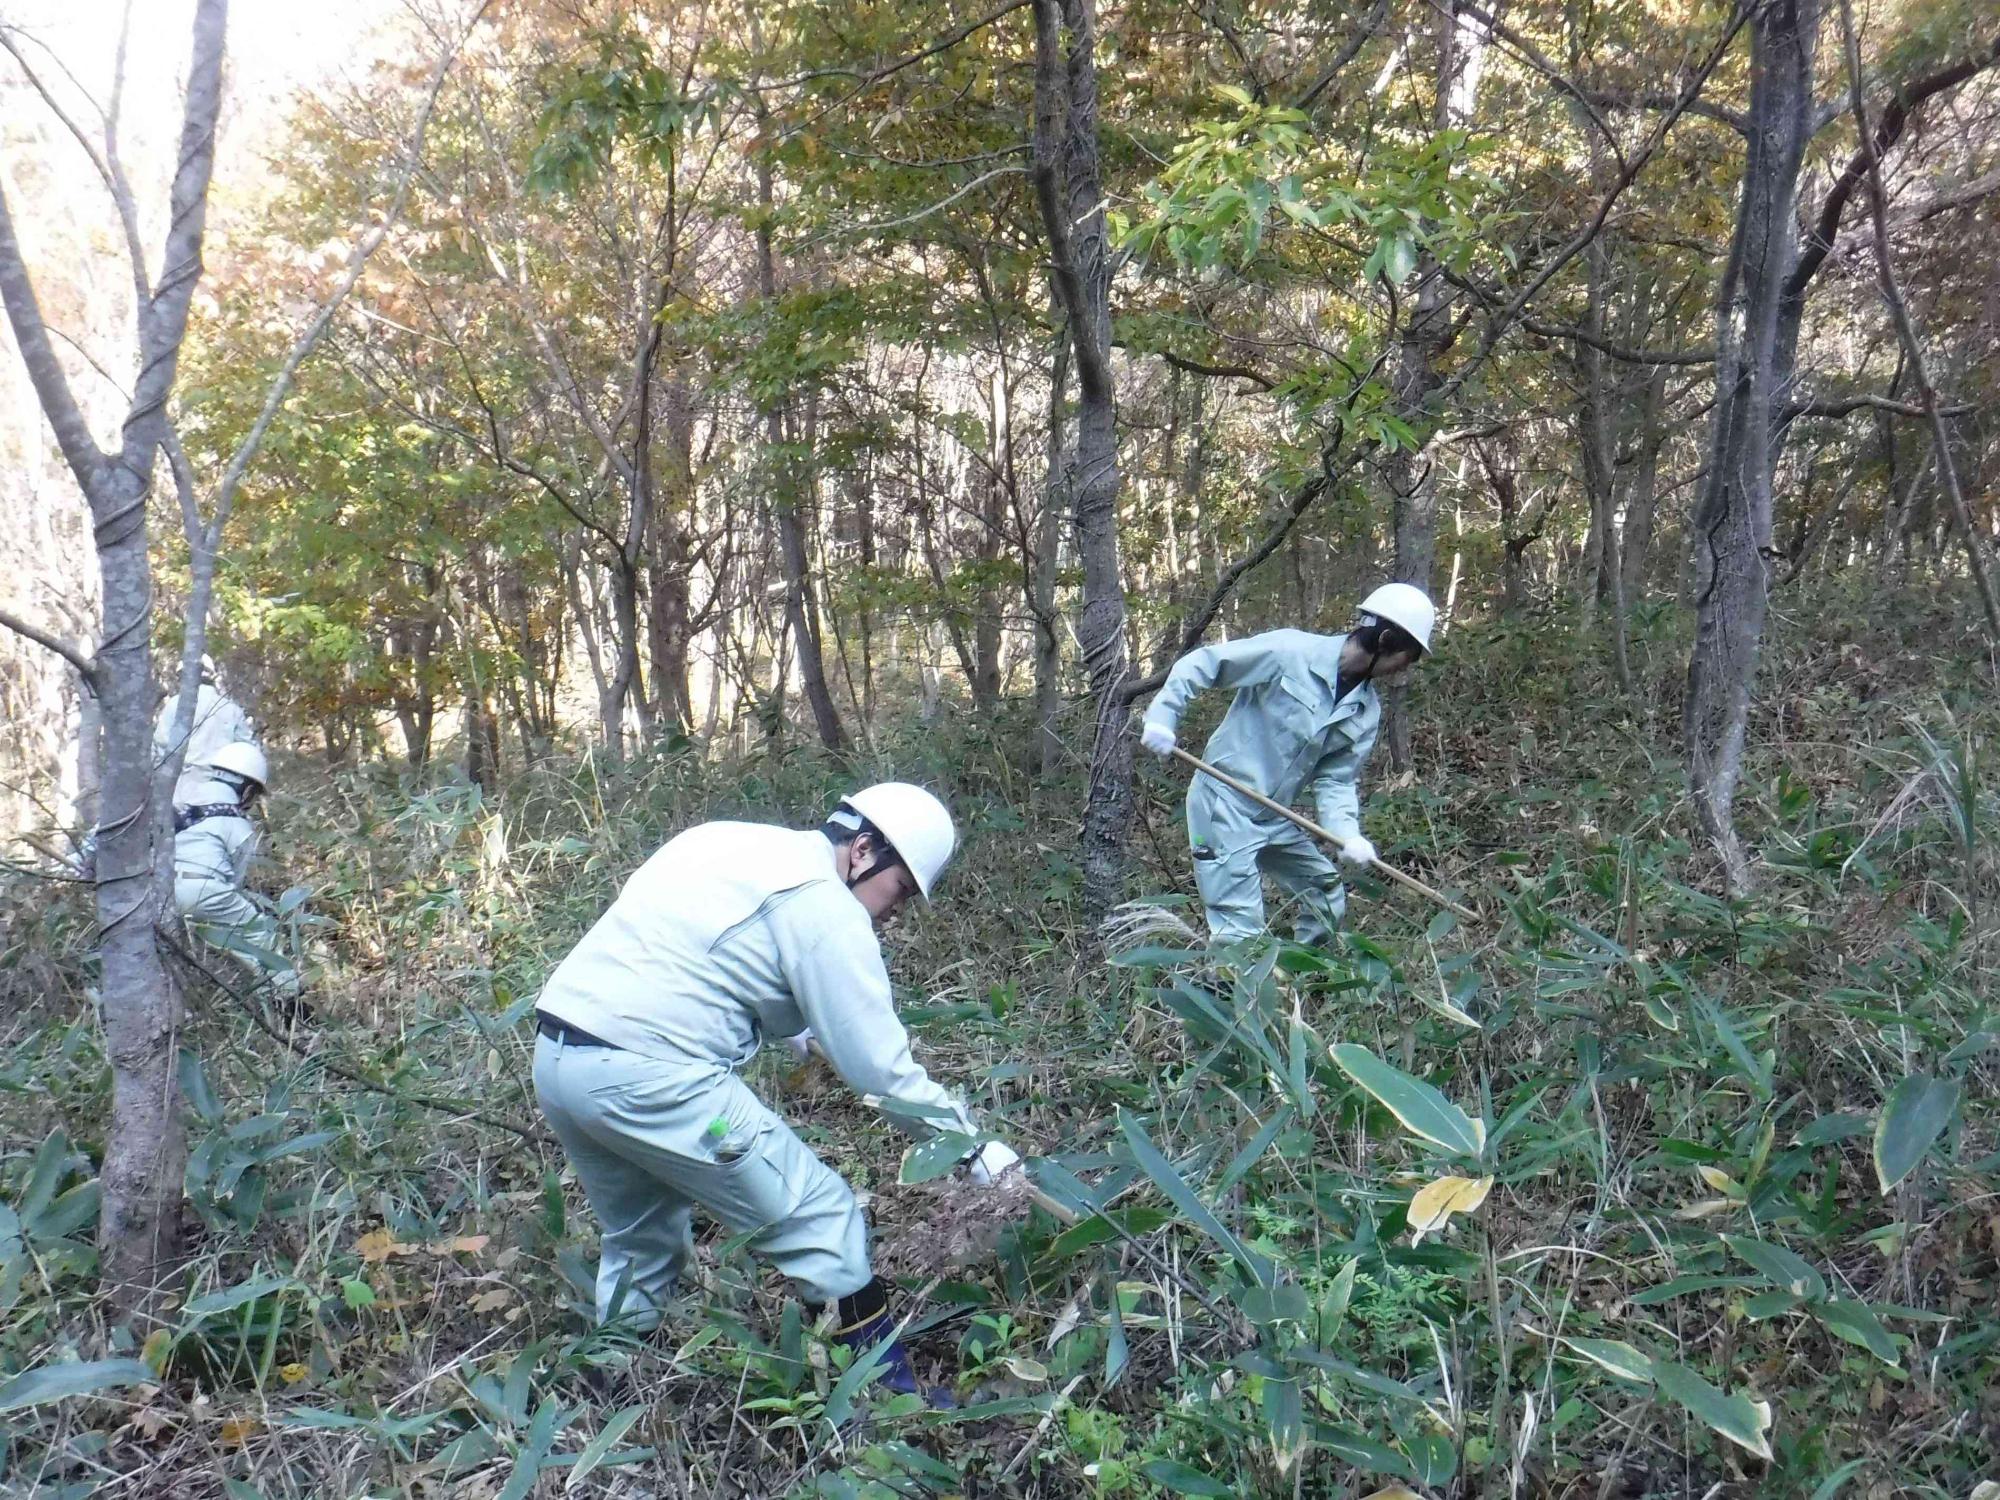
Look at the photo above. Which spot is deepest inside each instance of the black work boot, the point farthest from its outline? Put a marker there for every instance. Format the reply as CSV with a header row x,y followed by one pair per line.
x,y
864,1322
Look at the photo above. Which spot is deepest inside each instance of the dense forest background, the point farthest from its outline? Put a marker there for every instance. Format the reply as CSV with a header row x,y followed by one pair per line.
x,y
574,420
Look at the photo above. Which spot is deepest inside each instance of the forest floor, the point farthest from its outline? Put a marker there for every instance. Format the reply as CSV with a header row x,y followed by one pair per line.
x,y
1686,1278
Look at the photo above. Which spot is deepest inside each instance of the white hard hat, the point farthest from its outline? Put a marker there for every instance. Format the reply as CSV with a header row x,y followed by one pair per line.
x,y
917,826
1406,605
239,758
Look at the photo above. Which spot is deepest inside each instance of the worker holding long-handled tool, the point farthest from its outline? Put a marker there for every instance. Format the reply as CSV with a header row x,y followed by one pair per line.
x,y
731,933
1306,714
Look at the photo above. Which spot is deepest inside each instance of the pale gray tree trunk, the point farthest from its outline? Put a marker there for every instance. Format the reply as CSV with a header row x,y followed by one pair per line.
x,y
1605,570
145,1148
788,495
1753,379
1421,345
1048,553
1642,488
987,635
1071,198
671,560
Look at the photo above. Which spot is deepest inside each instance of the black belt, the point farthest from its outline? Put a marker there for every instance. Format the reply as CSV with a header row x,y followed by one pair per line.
x,y
568,1035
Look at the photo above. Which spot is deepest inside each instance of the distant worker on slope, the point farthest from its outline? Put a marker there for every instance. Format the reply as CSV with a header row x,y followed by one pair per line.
x,y
218,720
1306,713
214,842
730,934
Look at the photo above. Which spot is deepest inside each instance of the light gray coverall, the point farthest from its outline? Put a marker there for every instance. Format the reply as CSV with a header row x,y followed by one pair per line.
x,y
218,719
1283,732
211,860
731,933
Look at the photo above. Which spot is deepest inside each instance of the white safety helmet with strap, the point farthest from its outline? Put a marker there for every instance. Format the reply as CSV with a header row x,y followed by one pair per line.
x,y
241,759
916,825
1406,606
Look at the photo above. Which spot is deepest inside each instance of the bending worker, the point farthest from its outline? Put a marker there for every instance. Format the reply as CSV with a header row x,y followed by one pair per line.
x,y
214,842
218,720
1306,713
729,934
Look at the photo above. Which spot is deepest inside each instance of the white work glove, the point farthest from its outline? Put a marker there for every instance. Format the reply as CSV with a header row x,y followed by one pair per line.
x,y
1157,738
986,1165
799,1046
1358,851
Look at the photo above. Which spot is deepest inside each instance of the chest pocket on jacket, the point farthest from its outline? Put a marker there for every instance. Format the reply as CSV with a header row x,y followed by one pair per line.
x,y
1300,715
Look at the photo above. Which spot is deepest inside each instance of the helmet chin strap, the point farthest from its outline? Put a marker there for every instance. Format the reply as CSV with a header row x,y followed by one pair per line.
x,y
882,862
1374,653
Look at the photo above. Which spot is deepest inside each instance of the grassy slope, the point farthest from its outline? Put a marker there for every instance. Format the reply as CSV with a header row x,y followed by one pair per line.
x,y
1649,1060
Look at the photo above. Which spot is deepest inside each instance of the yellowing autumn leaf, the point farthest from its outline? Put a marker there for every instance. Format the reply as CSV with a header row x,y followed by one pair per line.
x,y
1708,1208
293,1373
492,1301
1721,1181
1431,1209
468,1244
237,1429
159,1344
377,1246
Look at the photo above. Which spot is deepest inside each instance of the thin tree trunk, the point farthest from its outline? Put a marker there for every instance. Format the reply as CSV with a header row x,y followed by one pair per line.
x,y
624,679
801,607
986,632
1071,199
1604,570
1642,489
862,497
1425,337
1732,522
670,561
145,1146
1048,553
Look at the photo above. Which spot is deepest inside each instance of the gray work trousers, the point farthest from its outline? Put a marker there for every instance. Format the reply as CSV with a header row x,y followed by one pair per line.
x,y
650,1140
1232,886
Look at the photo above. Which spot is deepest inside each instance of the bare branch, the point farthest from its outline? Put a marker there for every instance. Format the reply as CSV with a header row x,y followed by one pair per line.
x,y
45,371
943,44
1370,25
920,214
302,347
1843,406
86,668
1220,22
1274,536
163,320
1963,196
1888,130
1906,328
1619,352
1218,372
1576,244
1592,99
1534,57
184,488
105,164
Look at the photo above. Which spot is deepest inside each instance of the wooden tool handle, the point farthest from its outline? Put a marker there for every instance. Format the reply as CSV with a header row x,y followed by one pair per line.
x,y
1043,1201
1409,881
